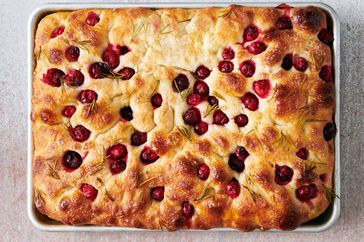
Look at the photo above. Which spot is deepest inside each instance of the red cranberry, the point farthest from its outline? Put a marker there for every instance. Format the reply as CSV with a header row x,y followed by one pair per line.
x,y
111,57
187,209
256,47
251,33
233,188
74,78
157,193
71,160
98,70
201,88
80,133
72,53
250,101
92,18
87,96
226,66
284,23
247,68
203,172
329,131
202,72
148,156
126,113
122,50
126,73
241,153
53,77
323,177
192,116
138,138
306,192
116,166
117,151
201,128
241,120
194,99
236,164
156,100
213,101
220,118
283,174
287,62
262,88
283,6
302,153
228,54
89,191
326,36
325,73
57,31
300,64
180,83
68,111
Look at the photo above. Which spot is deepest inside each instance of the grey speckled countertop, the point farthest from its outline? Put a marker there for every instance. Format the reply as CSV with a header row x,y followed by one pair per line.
x,y
15,225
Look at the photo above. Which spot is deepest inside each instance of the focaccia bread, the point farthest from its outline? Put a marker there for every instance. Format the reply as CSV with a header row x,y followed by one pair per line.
x,y
184,118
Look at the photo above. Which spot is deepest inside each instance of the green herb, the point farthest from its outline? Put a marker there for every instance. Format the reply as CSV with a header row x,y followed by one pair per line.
x,y
52,172
308,168
210,109
109,196
205,193
228,13
39,196
183,21
100,180
164,30
147,180
186,93
330,194
249,182
100,165
82,44
138,27
275,90
92,108
283,138
216,94
185,132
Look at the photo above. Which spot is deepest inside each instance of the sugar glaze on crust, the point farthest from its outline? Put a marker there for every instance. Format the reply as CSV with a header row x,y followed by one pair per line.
x,y
246,142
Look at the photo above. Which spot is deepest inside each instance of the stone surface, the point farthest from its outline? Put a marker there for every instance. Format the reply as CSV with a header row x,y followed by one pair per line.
x,y
15,225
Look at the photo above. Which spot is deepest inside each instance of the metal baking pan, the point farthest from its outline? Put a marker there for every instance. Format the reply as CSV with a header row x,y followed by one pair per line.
x,y
321,223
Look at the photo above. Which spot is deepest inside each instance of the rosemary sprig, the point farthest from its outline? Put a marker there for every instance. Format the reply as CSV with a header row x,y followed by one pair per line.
x,y
184,21
52,172
216,94
109,196
210,109
249,181
163,30
147,180
82,44
330,193
308,168
138,27
185,132
39,196
283,138
100,180
92,108
116,95
275,90
205,194
100,165
227,13
186,93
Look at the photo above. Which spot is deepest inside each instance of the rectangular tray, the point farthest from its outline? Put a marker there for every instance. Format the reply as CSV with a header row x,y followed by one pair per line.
x,y
319,224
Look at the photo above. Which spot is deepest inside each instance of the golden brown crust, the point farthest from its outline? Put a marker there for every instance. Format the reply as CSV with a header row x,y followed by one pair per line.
x,y
165,43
